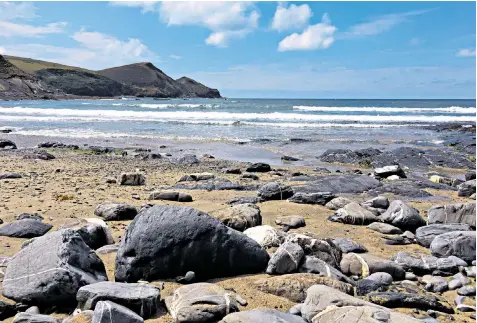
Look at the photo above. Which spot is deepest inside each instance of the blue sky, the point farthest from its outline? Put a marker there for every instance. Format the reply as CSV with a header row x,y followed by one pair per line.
x,y
263,49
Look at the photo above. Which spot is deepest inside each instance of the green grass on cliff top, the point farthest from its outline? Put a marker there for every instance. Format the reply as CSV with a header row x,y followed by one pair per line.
x,y
30,65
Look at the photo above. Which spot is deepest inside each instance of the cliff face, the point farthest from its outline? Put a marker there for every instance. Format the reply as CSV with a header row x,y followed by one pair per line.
x,y
37,79
17,84
198,89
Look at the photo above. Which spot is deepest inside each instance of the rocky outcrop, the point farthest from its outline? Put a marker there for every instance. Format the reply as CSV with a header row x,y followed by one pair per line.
x,y
198,89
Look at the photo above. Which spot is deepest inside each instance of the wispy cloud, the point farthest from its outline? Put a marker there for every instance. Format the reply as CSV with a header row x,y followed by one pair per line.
x,y
292,17
381,24
466,52
319,36
94,51
146,6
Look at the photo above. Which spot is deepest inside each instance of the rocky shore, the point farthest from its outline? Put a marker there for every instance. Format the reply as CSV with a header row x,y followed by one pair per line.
x,y
101,234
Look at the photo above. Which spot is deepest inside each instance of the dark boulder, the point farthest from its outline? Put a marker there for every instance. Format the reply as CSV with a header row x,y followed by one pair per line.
x,y
466,188
7,144
10,176
60,263
275,191
426,234
365,264
346,245
457,243
108,312
115,211
338,184
166,241
26,228
286,259
244,200
452,213
34,216
422,264
320,198
7,310
259,168
170,196
403,216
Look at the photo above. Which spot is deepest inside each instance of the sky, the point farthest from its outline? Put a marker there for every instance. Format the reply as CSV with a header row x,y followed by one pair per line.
x,y
263,49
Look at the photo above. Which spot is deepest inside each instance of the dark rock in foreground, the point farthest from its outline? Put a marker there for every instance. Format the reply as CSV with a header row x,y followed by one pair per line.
x,y
167,241
49,271
7,144
115,211
275,191
26,228
259,168
142,299
458,243
403,216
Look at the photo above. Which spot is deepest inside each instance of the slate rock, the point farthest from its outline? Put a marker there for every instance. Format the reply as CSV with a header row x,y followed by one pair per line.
x,y
95,233
466,188
386,171
244,200
7,144
353,213
457,243
233,171
10,176
216,184
366,286
240,217
384,228
466,291
320,198
339,184
165,241
196,177
323,249
338,203
261,315
346,245
426,234
314,265
200,302
115,211
365,264
188,159
294,286
381,277
291,221
379,202
408,300
107,312
421,264
469,175
437,284
170,196
452,213
259,168
275,191
26,228
34,216
266,236
286,259
403,216
34,318
362,314
7,310
132,179
142,299
52,279
319,297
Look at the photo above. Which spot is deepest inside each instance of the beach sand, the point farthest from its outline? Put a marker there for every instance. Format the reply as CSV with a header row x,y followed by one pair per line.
x,y
71,186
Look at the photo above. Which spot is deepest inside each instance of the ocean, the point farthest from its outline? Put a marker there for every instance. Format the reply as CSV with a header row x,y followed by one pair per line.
x,y
274,123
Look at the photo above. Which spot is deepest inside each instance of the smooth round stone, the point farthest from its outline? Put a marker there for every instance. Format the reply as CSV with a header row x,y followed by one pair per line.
x,y
410,276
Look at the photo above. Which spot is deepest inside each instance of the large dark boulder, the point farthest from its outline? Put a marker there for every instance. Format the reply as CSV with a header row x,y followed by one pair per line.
x,y
259,168
339,184
168,241
320,198
49,271
452,213
142,299
422,264
466,188
26,228
275,191
115,211
365,264
7,144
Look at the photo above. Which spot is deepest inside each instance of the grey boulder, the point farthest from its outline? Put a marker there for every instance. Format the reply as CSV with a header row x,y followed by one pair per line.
x,y
320,198
291,221
379,202
421,264
26,228
142,299
201,303
353,213
261,315
34,318
403,216
362,314
386,171
132,179
240,217
365,264
286,259
170,196
452,213
426,234
338,203
108,312
346,245
167,241
275,191
466,188
49,271
314,265
323,249
457,243
115,211
384,228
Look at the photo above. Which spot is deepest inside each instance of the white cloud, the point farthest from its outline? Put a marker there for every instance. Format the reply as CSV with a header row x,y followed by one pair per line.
x,y
16,10
226,20
381,24
466,52
292,17
10,29
319,36
175,56
94,51
146,6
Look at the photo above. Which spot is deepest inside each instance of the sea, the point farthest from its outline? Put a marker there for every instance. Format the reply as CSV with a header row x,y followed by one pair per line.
x,y
240,129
